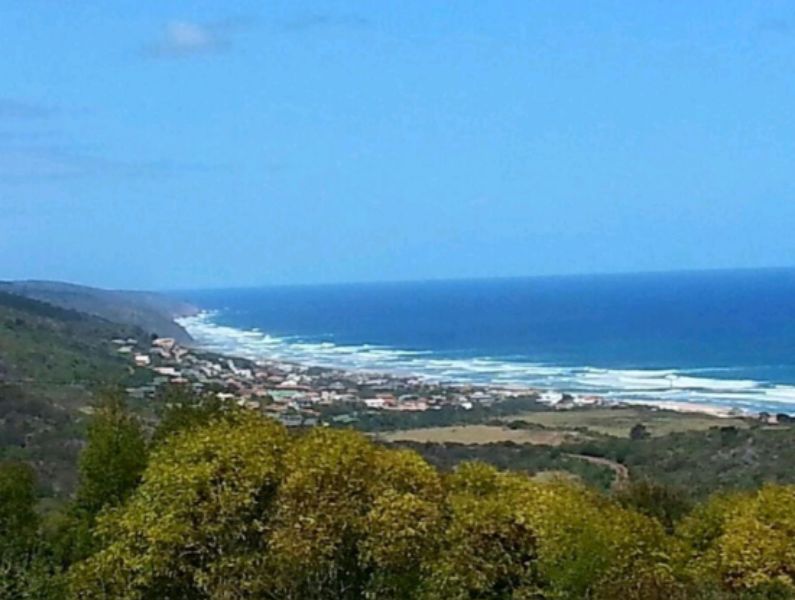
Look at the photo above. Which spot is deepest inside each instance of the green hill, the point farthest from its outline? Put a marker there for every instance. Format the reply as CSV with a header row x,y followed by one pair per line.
x,y
154,313
47,344
52,360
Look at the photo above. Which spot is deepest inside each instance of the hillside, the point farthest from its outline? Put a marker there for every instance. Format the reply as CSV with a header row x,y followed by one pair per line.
x,y
46,344
228,504
52,360
154,313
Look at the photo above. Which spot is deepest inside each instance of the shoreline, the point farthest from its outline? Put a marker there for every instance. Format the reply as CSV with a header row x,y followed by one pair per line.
x,y
557,398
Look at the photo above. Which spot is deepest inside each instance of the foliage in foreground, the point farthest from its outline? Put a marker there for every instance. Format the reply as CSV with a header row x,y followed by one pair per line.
x,y
235,507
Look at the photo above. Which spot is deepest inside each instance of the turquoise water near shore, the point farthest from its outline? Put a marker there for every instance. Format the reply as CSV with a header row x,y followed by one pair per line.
x,y
723,338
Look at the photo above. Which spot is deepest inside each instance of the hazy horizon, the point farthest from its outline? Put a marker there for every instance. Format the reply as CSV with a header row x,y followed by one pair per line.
x,y
441,280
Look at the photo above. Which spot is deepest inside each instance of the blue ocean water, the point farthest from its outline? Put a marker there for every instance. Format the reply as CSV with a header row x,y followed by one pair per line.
x,y
723,338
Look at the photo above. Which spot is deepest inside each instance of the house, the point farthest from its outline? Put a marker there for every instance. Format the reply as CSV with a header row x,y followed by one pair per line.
x,y
481,397
294,386
550,397
142,360
413,405
167,371
164,343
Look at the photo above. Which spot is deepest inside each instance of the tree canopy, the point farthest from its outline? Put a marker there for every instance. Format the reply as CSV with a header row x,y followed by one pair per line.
x,y
225,504
240,508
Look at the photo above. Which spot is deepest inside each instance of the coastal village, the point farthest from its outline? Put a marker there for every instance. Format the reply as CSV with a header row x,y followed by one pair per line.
x,y
297,394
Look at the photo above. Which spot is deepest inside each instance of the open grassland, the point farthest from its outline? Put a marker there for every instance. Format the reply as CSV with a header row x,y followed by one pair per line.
x,y
480,434
618,421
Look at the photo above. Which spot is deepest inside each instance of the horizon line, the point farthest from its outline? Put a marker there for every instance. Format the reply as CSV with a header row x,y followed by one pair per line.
x,y
682,271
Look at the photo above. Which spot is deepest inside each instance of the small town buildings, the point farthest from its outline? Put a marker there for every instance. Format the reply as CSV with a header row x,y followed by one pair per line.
x,y
165,343
376,403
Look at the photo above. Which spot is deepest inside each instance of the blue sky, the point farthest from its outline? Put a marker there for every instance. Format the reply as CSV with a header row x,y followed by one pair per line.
x,y
205,144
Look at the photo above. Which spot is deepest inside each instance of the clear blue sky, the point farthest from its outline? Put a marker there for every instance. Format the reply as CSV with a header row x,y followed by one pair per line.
x,y
201,144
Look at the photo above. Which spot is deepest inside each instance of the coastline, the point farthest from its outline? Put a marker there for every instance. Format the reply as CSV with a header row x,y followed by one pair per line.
x,y
560,398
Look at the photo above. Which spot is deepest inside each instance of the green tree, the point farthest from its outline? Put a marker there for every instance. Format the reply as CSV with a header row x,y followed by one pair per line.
x,y
639,432
353,520
26,570
666,504
197,525
114,457
513,537
745,542
18,519
489,551
182,408
238,508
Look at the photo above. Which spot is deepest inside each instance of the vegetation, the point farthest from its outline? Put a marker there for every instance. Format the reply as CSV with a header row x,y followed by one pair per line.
x,y
534,460
49,345
230,505
620,421
383,421
113,459
149,312
480,434
53,361
703,462
673,449
18,519
181,408
26,569
214,502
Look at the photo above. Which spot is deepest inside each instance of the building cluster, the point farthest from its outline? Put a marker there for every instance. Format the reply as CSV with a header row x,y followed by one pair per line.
x,y
298,394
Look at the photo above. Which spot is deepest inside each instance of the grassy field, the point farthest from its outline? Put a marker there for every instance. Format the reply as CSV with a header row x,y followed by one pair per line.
x,y
618,421
479,434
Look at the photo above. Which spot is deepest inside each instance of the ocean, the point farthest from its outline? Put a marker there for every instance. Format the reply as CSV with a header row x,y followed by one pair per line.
x,y
720,338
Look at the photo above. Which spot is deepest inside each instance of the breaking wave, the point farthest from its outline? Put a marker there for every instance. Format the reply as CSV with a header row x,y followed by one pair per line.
x,y
664,387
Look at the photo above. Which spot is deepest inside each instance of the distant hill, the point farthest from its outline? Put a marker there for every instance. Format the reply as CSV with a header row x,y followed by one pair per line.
x,y
153,313
52,361
47,344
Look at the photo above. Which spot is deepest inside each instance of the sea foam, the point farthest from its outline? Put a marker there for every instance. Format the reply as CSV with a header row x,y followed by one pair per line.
x,y
653,386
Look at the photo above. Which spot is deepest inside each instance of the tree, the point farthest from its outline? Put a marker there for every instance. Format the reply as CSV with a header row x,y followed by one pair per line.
x,y
784,419
114,457
639,432
196,527
235,509
181,408
26,570
513,537
745,542
353,520
489,550
18,518
238,508
666,504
